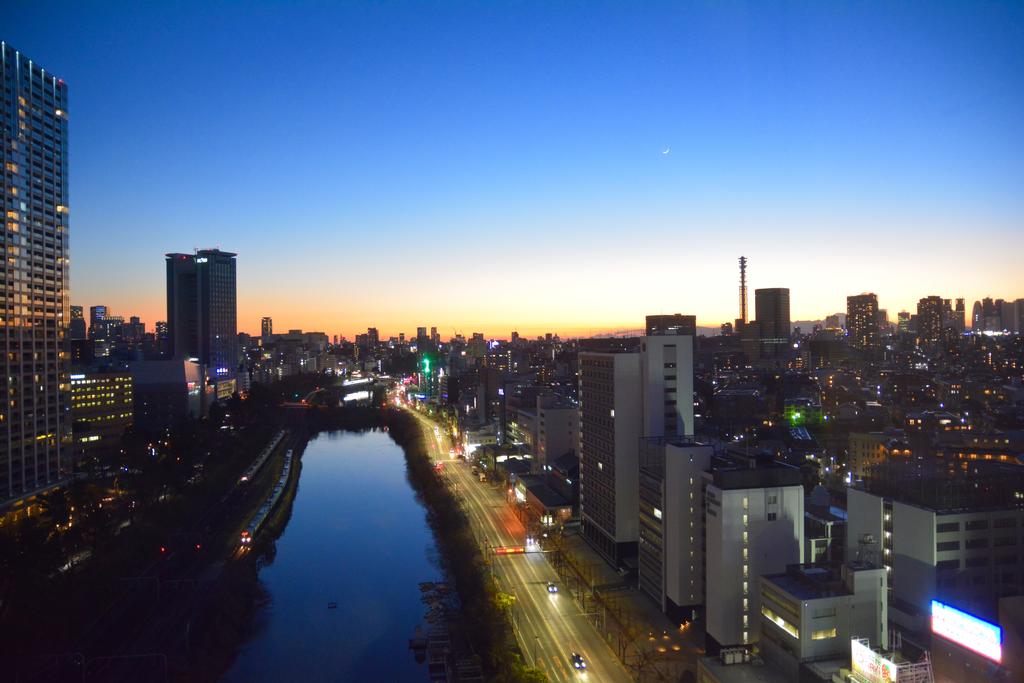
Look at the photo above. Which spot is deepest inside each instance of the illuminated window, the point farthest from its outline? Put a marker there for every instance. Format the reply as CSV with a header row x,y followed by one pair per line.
x,y
824,634
782,623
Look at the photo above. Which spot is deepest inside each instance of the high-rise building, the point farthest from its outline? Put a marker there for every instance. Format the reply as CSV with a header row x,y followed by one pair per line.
x,y
987,316
34,431
671,544
862,321
372,337
1009,314
266,327
133,330
97,317
903,324
1019,314
958,316
76,328
930,316
755,526
771,307
666,367
202,311
624,395
671,324
162,335
558,430
610,423
421,336
883,321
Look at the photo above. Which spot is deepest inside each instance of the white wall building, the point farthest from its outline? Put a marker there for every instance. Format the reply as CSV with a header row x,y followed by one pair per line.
x,y
667,367
623,396
558,428
810,613
671,555
960,556
755,526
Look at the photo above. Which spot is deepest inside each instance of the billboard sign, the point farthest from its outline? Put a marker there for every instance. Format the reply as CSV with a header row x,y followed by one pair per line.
x,y
968,631
870,665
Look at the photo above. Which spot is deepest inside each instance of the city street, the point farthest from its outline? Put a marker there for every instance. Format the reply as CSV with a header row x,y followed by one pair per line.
x,y
550,627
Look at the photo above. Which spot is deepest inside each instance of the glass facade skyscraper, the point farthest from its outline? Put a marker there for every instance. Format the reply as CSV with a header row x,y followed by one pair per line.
x,y
771,306
34,440
202,310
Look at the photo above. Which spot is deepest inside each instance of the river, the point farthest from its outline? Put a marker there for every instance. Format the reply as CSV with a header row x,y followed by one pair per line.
x,y
357,537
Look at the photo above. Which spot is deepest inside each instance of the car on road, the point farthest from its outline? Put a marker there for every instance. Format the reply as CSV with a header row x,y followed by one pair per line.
x,y
552,587
578,662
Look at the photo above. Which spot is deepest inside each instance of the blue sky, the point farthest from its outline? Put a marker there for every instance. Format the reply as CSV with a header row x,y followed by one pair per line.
x,y
497,165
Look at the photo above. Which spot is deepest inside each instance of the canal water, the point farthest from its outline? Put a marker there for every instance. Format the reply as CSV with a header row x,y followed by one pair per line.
x,y
357,537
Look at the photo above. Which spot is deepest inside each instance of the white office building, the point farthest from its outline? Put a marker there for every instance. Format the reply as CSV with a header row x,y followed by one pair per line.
x,y
626,395
671,546
963,556
809,613
667,366
558,428
754,526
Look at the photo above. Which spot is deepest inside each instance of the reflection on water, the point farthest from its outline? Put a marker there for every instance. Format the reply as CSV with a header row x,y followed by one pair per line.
x,y
356,537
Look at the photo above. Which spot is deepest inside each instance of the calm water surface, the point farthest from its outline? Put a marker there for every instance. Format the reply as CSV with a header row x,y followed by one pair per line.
x,y
357,537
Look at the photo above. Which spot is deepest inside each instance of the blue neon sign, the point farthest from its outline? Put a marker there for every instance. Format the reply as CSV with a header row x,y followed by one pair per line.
x,y
964,629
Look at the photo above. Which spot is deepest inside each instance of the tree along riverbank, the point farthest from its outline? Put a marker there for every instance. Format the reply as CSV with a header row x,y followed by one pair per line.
x,y
483,624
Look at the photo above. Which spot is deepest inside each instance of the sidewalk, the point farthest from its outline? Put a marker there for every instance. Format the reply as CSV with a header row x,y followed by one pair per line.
x,y
657,649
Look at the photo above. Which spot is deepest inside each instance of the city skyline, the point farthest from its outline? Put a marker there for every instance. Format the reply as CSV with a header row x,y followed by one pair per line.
x,y
625,191
513,423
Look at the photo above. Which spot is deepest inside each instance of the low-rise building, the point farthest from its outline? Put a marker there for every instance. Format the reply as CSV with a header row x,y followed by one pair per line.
x,y
545,506
810,612
169,391
870,449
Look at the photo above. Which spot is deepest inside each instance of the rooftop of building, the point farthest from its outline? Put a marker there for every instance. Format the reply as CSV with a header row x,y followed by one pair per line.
x,y
609,345
539,489
991,490
758,473
815,581
742,672
568,462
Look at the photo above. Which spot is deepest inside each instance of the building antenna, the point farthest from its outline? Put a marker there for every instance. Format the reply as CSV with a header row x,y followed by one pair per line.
x,y
743,289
